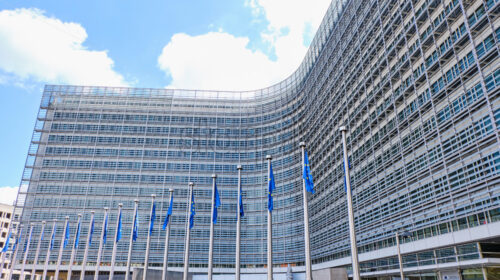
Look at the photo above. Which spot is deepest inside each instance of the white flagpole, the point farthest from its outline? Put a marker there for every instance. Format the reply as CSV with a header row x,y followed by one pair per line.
x,y
115,243
23,266
35,261
13,259
352,234
167,237
306,220
269,230
61,249
146,259
86,252
188,235
129,258
238,226
2,262
47,257
101,243
211,244
73,250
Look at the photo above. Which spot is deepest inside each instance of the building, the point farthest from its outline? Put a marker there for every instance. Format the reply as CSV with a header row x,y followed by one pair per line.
x,y
415,82
5,223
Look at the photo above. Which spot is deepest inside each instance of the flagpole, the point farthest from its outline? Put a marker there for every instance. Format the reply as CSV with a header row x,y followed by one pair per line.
x,y
129,258
23,266
269,230
61,249
113,255
35,261
211,242
188,235
49,250
167,237
352,234
86,252
238,226
101,244
13,259
146,259
6,248
73,250
306,220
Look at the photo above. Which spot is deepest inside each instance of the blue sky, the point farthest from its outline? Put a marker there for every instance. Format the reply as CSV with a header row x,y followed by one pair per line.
x,y
210,44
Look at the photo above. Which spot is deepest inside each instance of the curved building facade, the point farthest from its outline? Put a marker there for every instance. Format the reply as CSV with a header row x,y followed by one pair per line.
x,y
415,82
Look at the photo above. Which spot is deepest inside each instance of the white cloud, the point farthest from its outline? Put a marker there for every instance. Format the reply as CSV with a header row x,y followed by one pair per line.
x,y
8,195
221,61
45,49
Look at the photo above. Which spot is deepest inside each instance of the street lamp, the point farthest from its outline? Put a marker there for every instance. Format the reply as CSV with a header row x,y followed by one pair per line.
x,y
400,258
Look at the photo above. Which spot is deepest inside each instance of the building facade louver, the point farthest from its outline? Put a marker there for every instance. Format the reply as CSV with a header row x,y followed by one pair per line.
x,y
415,82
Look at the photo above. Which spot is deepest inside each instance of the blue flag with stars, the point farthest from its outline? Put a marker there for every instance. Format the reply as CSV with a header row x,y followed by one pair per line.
x,y
216,203
119,230
17,240
153,217
66,235
91,231
169,212
105,233
53,238
6,245
77,236
307,175
193,212
271,187
135,233
242,213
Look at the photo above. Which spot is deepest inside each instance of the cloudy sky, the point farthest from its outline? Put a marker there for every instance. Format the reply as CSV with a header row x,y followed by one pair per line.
x,y
198,44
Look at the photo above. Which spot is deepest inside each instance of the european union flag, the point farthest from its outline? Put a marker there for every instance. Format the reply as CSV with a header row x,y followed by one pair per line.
x,y
135,233
169,212
77,236
91,230
216,203
271,186
29,241
153,217
193,212
53,238
345,171
42,233
17,240
119,229
66,235
242,213
6,245
105,234
307,175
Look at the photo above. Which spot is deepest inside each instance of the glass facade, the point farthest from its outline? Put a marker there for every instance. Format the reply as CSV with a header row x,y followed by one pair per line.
x,y
415,82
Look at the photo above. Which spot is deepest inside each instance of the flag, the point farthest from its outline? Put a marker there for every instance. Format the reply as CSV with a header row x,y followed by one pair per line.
x,y
91,230
307,175
345,171
6,245
193,212
271,186
29,239
169,212
135,233
17,240
53,238
105,234
66,235
119,229
242,213
216,203
153,217
77,235
42,233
